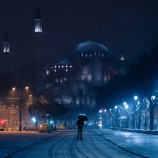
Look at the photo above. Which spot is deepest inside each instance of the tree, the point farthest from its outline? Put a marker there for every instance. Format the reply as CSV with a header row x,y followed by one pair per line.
x,y
141,78
42,109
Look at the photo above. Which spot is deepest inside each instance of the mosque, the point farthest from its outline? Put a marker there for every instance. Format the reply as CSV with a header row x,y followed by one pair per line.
x,y
72,80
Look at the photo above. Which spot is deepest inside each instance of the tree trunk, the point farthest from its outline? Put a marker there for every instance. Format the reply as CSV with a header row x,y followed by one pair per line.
x,y
151,115
139,121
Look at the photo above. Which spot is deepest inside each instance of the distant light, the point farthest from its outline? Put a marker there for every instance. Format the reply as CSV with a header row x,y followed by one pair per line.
x,y
122,57
27,88
126,106
100,125
100,111
135,97
13,88
77,102
153,97
116,107
34,119
51,121
66,70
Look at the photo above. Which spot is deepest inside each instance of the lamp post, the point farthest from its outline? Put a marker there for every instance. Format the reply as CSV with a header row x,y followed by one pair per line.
x,y
100,123
20,109
20,105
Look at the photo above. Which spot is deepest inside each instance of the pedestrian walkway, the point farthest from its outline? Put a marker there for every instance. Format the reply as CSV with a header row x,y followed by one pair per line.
x,y
145,145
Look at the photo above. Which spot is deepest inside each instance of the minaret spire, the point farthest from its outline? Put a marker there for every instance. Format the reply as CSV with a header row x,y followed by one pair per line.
x,y
122,56
38,21
6,43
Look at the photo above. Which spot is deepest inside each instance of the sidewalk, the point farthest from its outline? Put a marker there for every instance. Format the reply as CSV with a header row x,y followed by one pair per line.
x,y
145,145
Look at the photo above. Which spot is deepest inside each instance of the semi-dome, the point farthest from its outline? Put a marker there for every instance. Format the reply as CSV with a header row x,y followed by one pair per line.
x,y
91,46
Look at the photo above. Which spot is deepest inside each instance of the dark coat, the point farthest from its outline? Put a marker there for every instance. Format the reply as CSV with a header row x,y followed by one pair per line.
x,y
80,123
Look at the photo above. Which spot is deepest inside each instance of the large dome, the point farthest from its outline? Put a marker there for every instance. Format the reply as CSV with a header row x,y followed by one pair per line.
x,y
91,46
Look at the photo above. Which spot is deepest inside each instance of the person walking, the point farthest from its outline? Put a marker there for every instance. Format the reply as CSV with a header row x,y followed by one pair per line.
x,y
80,124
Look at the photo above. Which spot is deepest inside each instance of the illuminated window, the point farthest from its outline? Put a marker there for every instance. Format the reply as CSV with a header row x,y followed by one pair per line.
x,y
89,77
62,66
58,66
66,70
122,57
47,72
70,66
77,101
55,70
55,66
66,66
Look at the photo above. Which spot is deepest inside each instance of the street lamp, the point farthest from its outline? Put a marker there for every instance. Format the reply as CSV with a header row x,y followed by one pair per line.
x,y
20,109
20,105
153,97
135,97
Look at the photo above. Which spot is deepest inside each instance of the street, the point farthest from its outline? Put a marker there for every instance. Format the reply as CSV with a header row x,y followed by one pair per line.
x,y
61,144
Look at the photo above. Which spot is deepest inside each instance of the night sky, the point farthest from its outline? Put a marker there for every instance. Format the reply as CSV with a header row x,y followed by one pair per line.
x,y
117,24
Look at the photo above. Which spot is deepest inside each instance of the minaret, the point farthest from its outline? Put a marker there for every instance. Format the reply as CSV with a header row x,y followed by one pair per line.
x,y
122,57
38,21
6,43
38,54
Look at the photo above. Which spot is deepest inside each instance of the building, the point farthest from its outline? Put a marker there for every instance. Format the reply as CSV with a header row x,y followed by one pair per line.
x,y
73,80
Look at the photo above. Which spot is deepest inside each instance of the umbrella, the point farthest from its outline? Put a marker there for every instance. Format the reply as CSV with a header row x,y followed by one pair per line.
x,y
83,117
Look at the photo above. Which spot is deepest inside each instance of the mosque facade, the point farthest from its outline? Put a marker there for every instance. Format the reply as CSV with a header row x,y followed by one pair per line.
x,y
72,81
